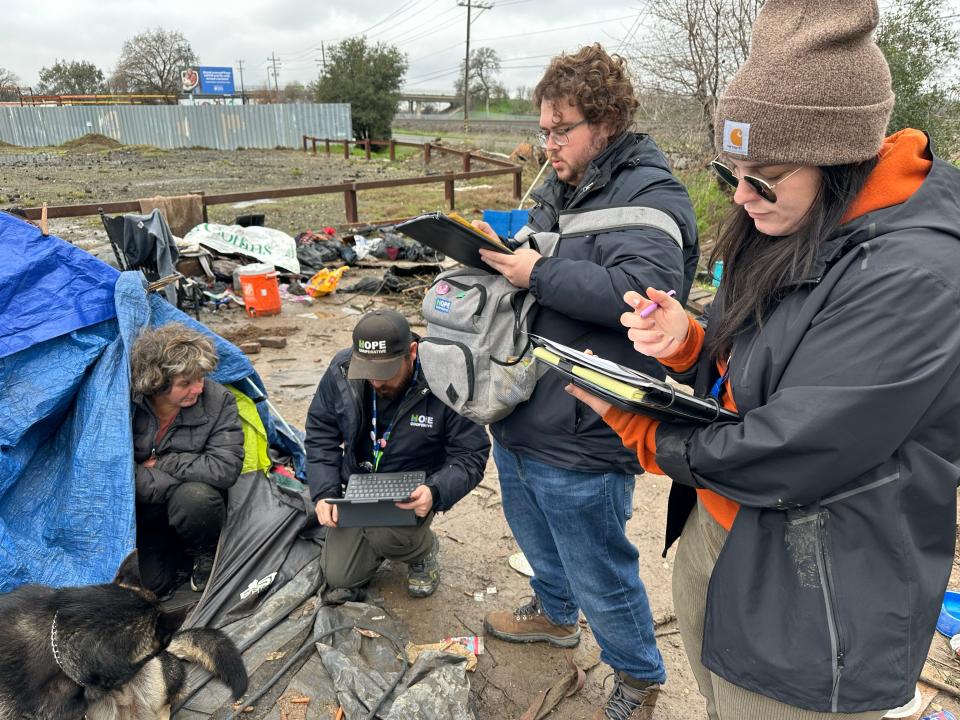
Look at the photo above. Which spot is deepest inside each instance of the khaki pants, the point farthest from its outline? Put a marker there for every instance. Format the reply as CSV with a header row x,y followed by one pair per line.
x,y
700,545
351,556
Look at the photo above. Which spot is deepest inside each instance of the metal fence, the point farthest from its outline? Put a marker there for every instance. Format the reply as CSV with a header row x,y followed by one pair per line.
x,y
221,127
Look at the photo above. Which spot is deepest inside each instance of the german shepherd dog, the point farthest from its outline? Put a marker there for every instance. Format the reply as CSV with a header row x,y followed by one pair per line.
x,y
104,652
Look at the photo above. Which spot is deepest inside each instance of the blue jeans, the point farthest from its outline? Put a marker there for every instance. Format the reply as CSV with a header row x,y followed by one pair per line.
x,y
571,527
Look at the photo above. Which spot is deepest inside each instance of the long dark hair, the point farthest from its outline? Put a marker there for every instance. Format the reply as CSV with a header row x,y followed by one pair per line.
x,y
756,266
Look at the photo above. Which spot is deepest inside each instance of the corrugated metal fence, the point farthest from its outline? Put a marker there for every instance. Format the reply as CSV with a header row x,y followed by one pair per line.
x,y
222,127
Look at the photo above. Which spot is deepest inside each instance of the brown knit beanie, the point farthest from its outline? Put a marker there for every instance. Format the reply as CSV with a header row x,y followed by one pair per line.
x,y
815,89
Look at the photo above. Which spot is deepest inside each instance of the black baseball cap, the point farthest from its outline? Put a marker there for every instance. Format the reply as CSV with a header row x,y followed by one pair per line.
x,y
381,340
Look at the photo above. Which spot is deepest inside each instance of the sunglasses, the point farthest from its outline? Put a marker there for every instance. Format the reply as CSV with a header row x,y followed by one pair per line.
x,y
763,188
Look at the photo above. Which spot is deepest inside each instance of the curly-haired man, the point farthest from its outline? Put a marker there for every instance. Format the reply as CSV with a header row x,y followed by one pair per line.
x,y
625,223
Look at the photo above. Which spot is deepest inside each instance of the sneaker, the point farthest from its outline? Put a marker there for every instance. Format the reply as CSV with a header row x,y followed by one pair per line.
x,y
628,701
202,565
528,624
423,576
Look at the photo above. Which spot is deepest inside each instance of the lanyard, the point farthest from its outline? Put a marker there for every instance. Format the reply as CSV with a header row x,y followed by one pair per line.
x,y
380,444
718,385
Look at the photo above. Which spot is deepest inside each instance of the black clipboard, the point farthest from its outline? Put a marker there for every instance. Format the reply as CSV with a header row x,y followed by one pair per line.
x,y
643,394
455,238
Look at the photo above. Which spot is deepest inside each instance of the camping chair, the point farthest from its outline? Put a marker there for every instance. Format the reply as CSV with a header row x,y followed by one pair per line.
x,y
145,243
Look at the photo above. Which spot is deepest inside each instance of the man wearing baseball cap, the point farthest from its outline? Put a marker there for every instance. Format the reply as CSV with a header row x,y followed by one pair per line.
x,y
373,412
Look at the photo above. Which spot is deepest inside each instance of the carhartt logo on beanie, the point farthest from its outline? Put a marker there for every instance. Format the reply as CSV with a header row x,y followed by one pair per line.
x,y
815,89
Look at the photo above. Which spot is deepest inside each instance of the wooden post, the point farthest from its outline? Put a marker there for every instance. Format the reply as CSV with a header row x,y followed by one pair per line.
x,y
393,150
350,205
448,194
366,148
517,184
327,144
466,162
346,149
426,153
314,141
304,143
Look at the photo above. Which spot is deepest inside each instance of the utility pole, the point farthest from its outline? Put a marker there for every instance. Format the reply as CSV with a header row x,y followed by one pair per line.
x,y
323,57
243,98
469,4
273,59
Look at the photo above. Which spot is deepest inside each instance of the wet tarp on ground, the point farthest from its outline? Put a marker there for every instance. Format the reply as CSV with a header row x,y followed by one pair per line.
x,y
346,669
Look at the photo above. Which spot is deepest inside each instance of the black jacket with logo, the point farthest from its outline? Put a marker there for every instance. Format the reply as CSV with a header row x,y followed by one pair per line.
x,y
845,465
427,436
579,291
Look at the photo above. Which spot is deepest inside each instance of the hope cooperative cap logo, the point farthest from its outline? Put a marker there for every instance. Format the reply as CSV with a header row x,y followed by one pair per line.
x,y
736,137
372,347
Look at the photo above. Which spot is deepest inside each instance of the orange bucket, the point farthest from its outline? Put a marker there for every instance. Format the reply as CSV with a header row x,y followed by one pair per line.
x,y
261,293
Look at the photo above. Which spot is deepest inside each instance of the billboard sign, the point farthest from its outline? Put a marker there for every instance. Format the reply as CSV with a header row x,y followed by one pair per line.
x,y
216,81
189,79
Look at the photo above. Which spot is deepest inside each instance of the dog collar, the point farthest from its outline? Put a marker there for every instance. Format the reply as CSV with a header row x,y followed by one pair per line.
x,y
56,653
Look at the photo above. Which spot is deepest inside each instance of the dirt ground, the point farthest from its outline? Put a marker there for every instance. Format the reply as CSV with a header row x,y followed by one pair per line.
x,y
475,539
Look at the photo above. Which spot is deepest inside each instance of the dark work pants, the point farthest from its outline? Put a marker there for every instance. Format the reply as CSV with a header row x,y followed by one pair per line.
x,y
169,533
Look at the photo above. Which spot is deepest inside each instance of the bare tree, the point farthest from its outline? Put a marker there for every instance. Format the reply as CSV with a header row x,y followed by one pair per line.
x,y
694,47
151,61
484,66
8,77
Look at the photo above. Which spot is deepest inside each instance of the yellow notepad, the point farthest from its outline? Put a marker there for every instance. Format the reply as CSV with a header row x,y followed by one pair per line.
x,y
612,385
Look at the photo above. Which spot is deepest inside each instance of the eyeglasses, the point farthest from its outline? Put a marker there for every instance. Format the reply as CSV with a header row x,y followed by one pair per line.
x,y
762,187
559,134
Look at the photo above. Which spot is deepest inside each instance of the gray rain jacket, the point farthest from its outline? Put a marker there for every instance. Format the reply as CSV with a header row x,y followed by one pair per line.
x,y
629,225
826,593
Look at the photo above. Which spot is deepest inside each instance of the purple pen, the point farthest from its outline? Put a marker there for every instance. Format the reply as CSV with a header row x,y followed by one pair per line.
x,y
648,310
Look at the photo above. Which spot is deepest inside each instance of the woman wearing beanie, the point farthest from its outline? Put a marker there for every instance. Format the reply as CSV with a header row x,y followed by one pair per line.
x,y
816,535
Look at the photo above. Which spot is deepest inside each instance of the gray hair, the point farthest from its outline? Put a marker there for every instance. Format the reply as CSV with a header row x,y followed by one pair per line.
x,y
163,353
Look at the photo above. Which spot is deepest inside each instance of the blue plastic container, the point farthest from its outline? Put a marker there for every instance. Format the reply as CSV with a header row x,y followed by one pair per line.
x,y
948,623
506,223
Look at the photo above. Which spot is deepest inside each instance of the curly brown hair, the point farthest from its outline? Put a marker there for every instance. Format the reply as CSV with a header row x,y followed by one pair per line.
x,y
593,81
163,353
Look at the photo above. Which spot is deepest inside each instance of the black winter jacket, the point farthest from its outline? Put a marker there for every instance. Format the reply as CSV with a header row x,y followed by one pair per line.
x,y
203,444
606,248
826,593
427,436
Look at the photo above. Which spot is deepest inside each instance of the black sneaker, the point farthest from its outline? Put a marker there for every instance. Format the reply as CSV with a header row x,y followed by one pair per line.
x,y
202,565
423,576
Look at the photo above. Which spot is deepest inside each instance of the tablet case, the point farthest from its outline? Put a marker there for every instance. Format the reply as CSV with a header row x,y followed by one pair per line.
x,y
454,239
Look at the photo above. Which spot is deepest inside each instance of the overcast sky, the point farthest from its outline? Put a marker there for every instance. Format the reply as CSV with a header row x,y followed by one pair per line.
x,y
525,33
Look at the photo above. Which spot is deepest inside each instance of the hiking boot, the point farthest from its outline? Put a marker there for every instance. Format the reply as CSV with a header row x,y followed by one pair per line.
x,y
631,699
202,565
423,576
528,624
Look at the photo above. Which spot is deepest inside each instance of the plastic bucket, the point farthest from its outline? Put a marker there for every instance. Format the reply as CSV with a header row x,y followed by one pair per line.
x,y
261,292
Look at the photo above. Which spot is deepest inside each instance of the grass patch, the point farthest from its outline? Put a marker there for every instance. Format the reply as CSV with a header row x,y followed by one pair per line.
x,y
710,202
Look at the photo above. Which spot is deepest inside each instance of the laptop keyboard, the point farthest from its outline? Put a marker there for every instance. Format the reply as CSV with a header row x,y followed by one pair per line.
x,y
383,486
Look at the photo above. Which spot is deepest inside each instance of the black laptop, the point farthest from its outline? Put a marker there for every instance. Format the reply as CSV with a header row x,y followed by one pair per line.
x,y
369,499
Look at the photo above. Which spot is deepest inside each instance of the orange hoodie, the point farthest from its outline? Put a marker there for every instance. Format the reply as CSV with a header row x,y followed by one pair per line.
x,y
903,166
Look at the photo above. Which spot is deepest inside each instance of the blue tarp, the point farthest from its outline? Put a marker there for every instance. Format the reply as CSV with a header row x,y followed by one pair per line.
x,y
66,465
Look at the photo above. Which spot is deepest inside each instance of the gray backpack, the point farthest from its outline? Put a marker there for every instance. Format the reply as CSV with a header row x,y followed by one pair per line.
x,y
476,355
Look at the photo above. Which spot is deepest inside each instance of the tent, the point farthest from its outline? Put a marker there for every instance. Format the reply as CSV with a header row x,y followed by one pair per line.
x,y
67,517
67,322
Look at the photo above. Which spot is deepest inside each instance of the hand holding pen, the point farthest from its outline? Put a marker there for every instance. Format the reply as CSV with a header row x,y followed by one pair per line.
x,y
658,324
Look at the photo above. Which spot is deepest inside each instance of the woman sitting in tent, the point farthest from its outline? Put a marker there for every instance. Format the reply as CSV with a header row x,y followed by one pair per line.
x,y
188,449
